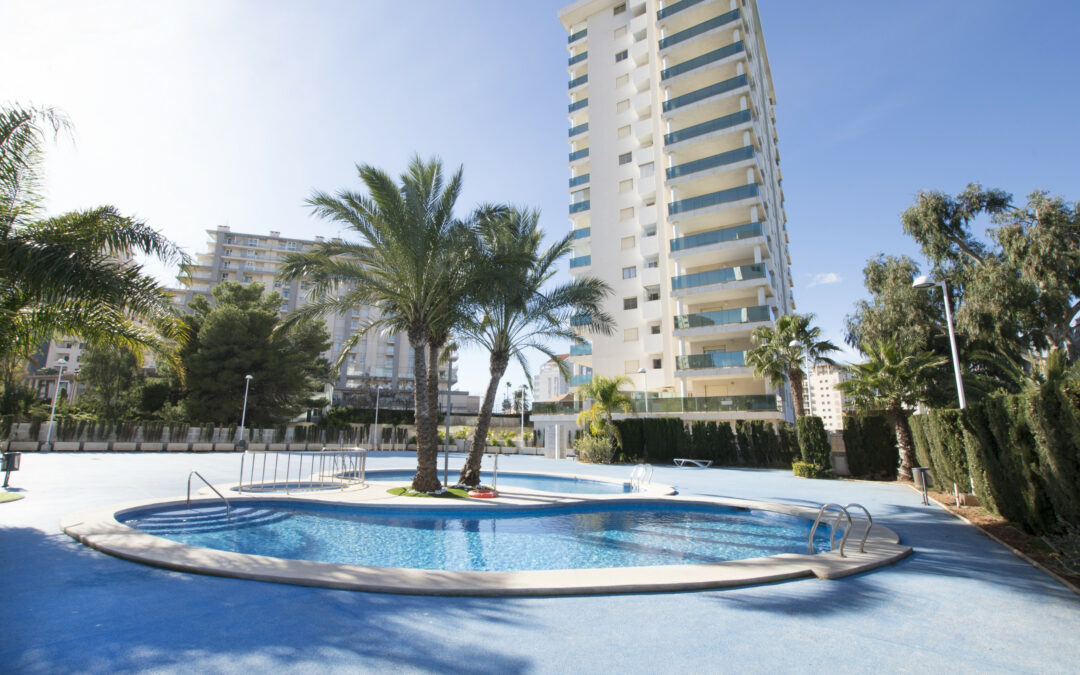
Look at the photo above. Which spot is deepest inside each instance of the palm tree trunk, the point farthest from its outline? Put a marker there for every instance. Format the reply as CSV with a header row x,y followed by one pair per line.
x,y
796,378
425,479
903,440
470,473
427,427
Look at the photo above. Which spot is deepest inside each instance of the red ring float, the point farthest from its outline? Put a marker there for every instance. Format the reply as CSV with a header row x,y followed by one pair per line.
x,y
483,494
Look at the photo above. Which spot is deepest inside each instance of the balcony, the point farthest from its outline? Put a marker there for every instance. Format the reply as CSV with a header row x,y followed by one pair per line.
x,y
703,60
580,261
713,198
574,37
577,59
703,27
579,129
713,360
578,105
581,320
580,154
676,7
723,317
747,231
751,403
581,349
580,233
720,276
580,380
706,92
725,122
578,81
579,207
706,163
579,180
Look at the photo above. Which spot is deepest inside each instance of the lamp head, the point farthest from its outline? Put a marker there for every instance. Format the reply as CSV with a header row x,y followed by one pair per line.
x,y
247,377
641,371
923,282
794,343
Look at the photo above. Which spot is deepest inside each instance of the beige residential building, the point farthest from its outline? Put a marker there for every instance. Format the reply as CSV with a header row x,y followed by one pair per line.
x,y
676,199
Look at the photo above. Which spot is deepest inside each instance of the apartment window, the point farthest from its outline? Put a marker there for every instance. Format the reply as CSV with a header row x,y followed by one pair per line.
x,y
620,32
277,284
623,132
629,303
247,279
654,329
649,230
620,8
657,364
626,158
228,251
652,263
253,242
629,272
629,335
626,243
622,81
224,276
652,293
227,264
285,293
631,367
626,186
622,106
627,213
291,246
229,240
646,169
621,56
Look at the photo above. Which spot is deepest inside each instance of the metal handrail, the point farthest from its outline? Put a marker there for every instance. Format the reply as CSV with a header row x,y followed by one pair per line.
x,y
228,508
869,524
346,467
832,535
641,476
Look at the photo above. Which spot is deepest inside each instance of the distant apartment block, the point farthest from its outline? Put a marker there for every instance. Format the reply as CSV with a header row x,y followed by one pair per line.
x,y
822,398
549,383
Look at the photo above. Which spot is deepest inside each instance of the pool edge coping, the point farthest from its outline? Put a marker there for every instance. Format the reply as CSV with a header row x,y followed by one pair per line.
x,y
99,529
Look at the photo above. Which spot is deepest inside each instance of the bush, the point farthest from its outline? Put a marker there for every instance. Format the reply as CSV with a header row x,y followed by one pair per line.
x,y
594,449
813,441
657,440
871,446
789,443
808,470
944,443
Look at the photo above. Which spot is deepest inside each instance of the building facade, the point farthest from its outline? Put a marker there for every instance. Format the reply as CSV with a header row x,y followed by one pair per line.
x,y
676,199
822,398
549,383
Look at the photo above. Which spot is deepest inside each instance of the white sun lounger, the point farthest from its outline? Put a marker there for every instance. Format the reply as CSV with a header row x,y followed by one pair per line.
x,y
699,463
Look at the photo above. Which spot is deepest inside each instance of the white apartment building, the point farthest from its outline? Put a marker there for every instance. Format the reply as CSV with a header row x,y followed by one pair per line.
x,y
676,199
822,398
549,383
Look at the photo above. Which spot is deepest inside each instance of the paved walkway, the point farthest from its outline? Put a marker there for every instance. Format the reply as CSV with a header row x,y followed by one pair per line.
x,y
961,602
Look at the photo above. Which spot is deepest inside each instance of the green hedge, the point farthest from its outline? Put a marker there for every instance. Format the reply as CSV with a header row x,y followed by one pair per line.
x,y
660,440
814,441
870,443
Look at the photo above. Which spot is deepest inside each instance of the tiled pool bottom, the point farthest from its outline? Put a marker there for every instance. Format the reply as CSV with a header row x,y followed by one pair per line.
x,y
577,536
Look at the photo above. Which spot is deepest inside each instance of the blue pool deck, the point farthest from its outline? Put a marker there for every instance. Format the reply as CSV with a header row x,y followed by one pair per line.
x,y
961,602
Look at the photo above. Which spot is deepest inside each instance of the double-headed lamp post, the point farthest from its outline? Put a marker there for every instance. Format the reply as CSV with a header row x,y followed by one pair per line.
x,y
522,404
449,403
926,282
809,391
60,363
243,413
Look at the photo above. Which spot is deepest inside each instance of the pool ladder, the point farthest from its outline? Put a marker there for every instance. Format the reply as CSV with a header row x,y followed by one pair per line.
x,y
228,508
841,512
640,477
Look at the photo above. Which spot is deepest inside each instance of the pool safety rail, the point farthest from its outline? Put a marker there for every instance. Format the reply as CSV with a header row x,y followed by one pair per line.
x,y
228,507
641,477
326,469
841,512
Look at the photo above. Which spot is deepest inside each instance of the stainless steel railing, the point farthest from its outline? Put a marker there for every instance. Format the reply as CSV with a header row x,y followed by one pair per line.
x,y
228,508
326,469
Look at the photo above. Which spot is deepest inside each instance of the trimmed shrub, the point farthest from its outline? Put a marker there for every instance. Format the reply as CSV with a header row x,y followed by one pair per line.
x,y
948,456
813,441
656,440
809,470
594,449
871,446
789,443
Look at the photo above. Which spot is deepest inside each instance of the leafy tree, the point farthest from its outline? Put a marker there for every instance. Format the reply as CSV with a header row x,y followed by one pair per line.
x,y
236,337
110,375
894,379
413,264
779,353
72,274
606,399
895,309
519,310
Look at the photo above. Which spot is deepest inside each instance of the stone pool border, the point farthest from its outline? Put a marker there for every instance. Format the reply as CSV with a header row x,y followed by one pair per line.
x,y
99,529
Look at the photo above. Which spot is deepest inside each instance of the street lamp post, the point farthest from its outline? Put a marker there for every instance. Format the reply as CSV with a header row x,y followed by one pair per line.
x,y
375,441
645,376
523,414
809,392
60,363
449,403
926,282
243,413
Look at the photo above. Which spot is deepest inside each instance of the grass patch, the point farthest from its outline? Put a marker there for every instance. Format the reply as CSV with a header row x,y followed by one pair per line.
x,y
451,493
10,497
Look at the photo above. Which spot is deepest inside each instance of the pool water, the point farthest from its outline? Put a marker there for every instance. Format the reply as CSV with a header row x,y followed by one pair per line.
x,y
508,479
488,539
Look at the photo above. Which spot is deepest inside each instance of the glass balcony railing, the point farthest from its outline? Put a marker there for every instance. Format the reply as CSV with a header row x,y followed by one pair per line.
x,y
580,320
676,7
580,380
577,59
579,207
713,360
703,27
736,233
581,261
713,198
580,154
578,81
704,59
723,317
706,163
578,105
579,180
580,349
720,276
705,92
579,129
759,402
580,233
574,37
717,124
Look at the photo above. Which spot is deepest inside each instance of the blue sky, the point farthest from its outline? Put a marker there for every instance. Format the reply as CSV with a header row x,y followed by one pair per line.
x,y
195,114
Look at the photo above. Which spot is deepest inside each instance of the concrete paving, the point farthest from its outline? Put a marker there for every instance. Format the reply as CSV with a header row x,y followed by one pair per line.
x,y
960,602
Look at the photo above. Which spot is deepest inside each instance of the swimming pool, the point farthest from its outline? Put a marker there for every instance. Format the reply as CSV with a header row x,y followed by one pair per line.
x,y
578,536
509,479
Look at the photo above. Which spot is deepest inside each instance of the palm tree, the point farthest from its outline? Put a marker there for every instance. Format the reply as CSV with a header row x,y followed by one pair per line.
x,y
894,378
413,265
517,311
606,398
779,353
73,274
